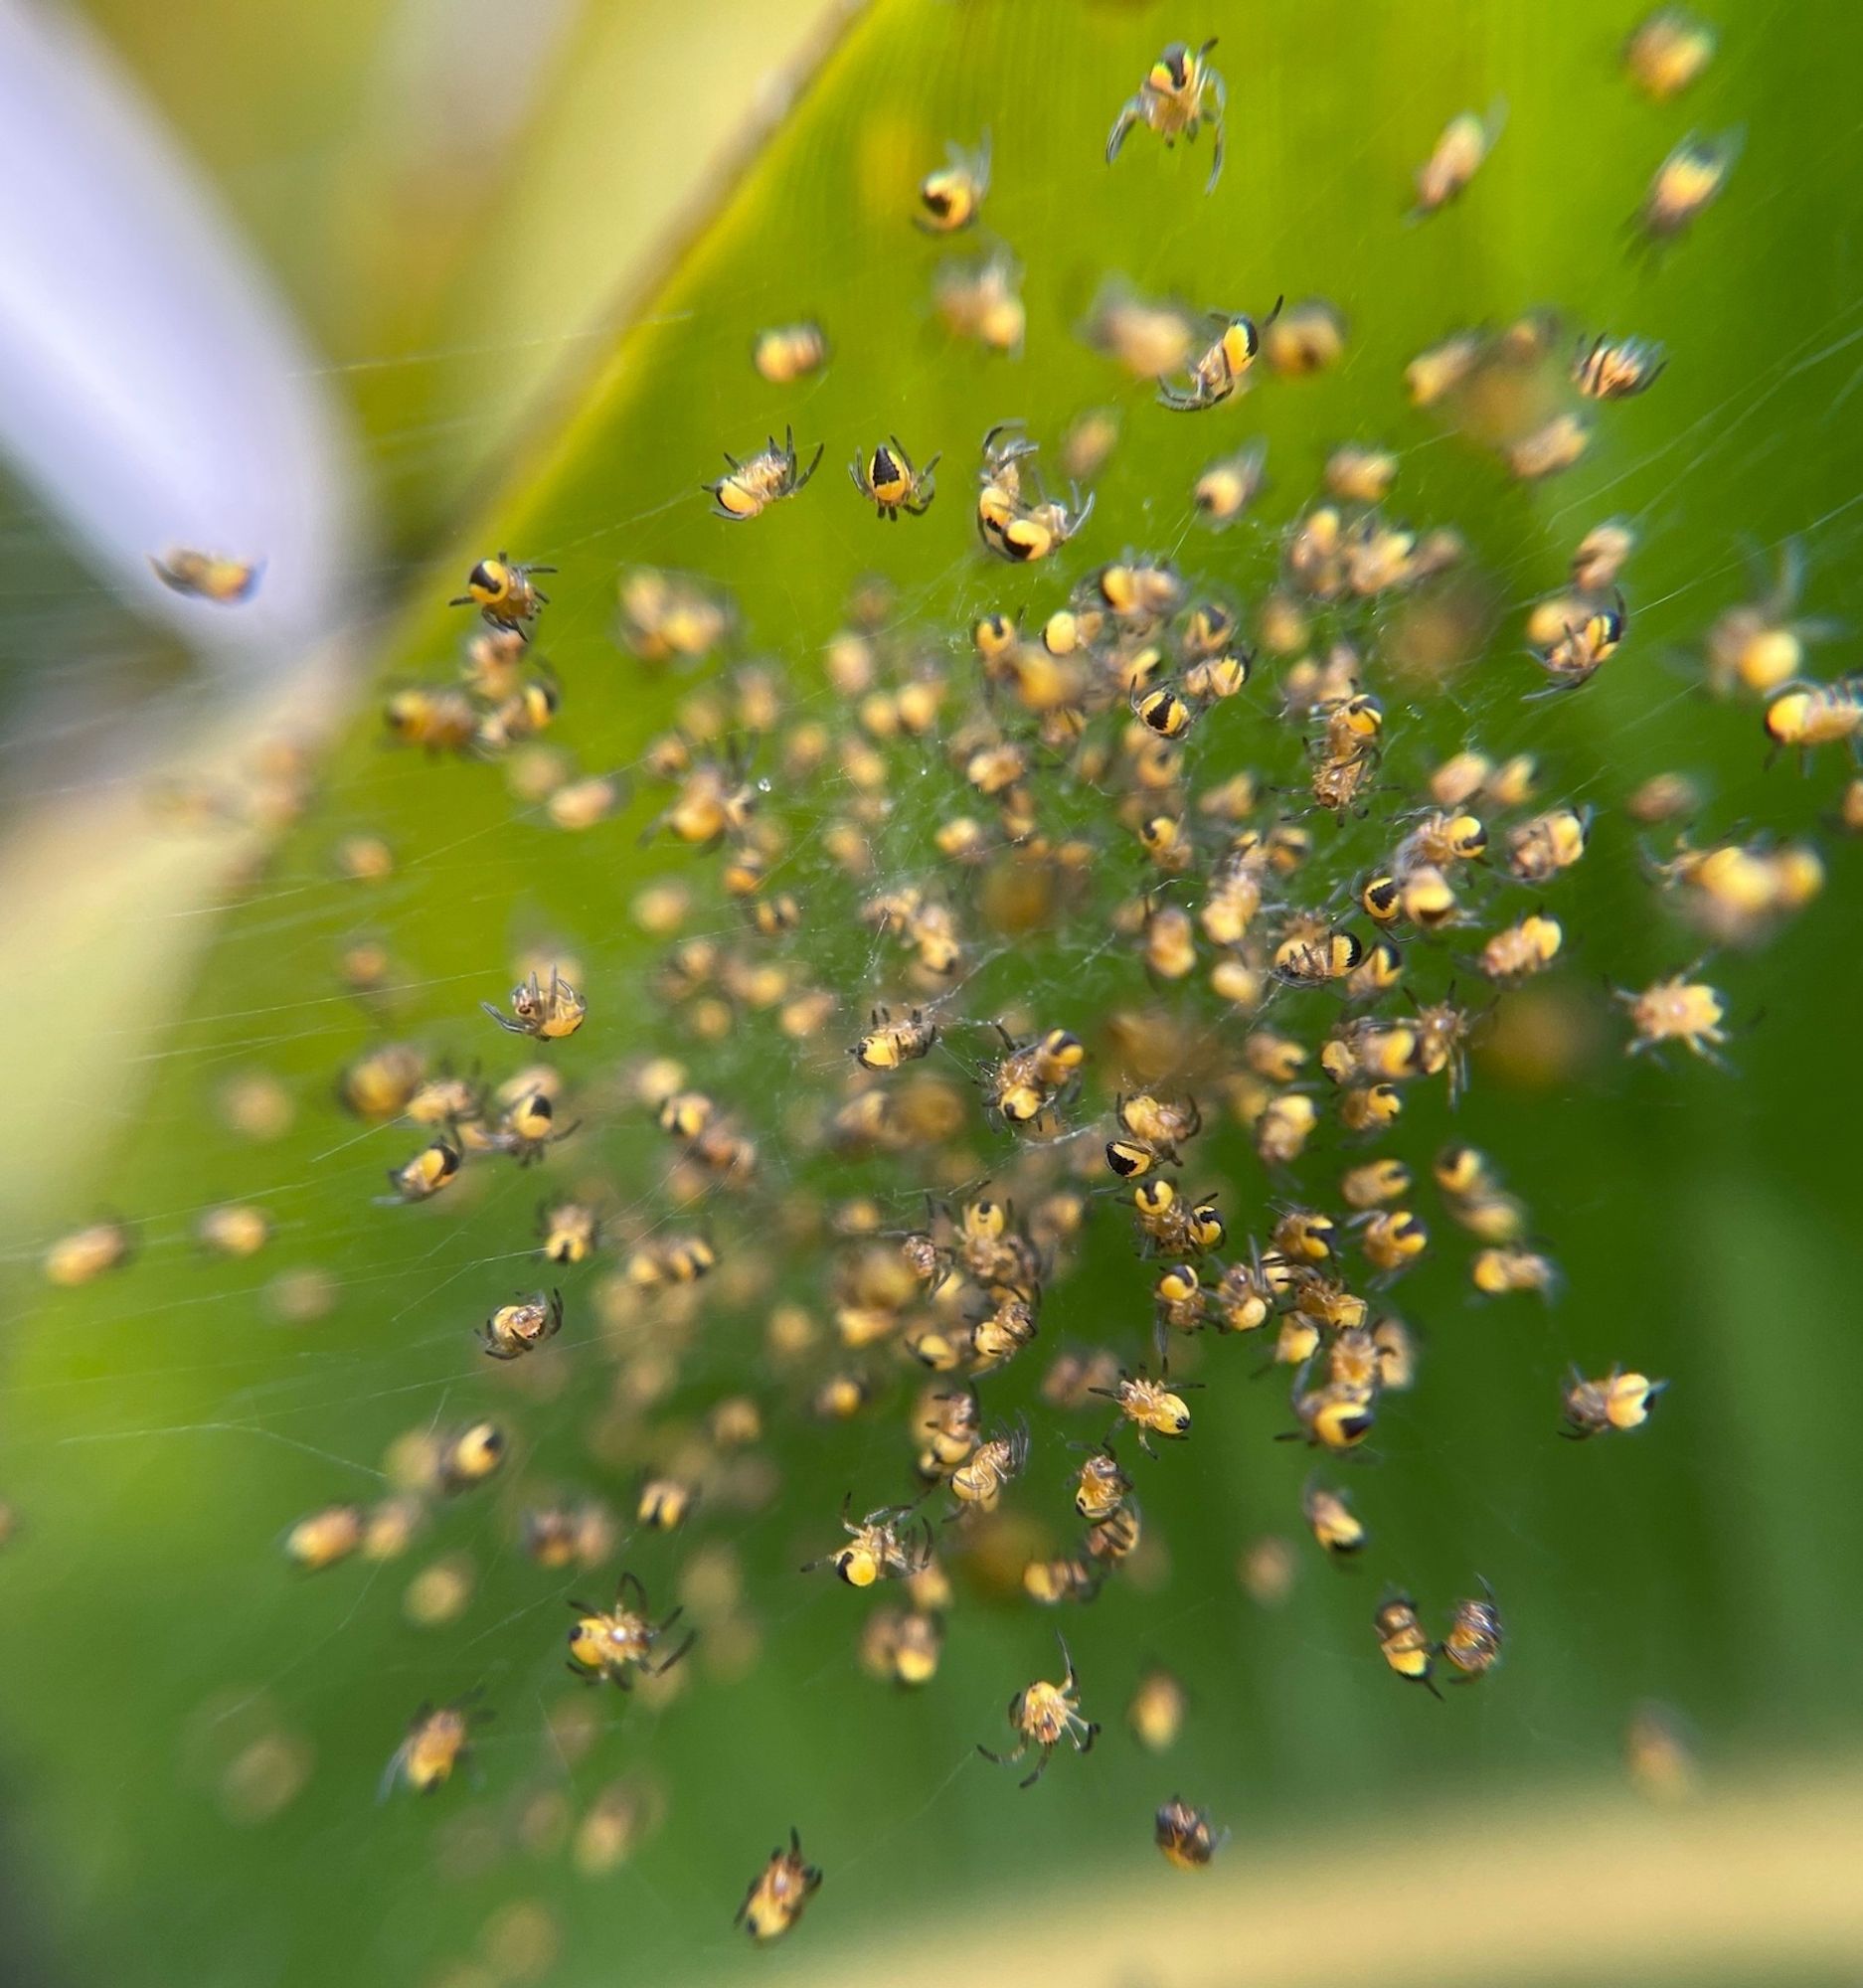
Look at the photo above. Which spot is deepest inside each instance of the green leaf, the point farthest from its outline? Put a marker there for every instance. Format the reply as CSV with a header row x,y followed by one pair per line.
x,y
167,1425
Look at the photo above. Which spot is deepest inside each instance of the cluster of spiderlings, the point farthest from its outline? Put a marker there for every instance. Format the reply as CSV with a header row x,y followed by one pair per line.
x,y
1293,920
501,694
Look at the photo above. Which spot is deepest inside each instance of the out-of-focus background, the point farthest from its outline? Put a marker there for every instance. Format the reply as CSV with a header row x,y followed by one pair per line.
x,y
300,280
294,279
338,288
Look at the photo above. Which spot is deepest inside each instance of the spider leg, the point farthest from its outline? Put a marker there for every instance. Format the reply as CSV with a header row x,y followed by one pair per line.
x,y
666,1664
1121,127
1216,133
390,1773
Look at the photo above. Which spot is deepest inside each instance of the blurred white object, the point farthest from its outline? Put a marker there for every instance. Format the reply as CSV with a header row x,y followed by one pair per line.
x,y
157,394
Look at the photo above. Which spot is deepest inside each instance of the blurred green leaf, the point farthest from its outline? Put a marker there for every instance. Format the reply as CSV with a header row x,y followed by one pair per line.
x,y
166,1427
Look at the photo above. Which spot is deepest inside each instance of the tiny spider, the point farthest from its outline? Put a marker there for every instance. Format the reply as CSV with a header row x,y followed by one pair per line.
x,y
1184,1835
1809,715
608,1643
1614,369
949,197
1102,1488
1031,1075
1577,653
434,1167
527,1129
1215,376
768,476
778,1893
994,1465
1046,529
1042,1715
1465,141
1473,1647
1618,1401
503,593
1677,1010
438,1738
889,1043
1181,92
886,475
880,1548
787,353
523,1325
1405,1644
208,576
1686,183
547,1014
1150,1407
